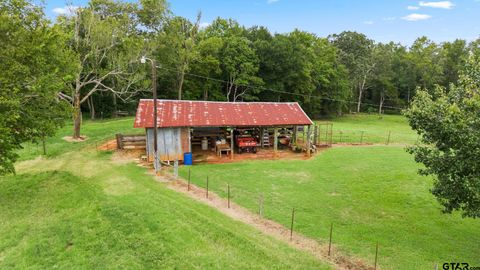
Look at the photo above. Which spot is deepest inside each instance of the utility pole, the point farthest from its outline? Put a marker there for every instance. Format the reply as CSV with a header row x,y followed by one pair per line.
x,y
157,164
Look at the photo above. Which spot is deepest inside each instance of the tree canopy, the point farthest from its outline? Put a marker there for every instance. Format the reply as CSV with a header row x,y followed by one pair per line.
x,y
449,125
34,67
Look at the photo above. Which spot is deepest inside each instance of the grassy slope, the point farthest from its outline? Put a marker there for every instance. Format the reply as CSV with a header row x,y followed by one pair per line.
x,y
369,193
82,210
375,129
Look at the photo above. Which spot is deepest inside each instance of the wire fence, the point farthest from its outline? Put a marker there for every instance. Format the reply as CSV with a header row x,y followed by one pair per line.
x,y
365,137
271,206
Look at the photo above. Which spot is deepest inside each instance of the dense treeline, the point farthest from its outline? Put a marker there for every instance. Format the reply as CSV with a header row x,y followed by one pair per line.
x,y
88,61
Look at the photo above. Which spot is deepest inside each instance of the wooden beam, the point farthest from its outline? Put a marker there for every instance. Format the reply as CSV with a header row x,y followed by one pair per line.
x,y
262,130
295,128
232,143
309,141
315,134
189,140
275,141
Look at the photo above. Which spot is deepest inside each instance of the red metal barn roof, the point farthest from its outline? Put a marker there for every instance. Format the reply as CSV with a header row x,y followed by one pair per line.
x,y
182,113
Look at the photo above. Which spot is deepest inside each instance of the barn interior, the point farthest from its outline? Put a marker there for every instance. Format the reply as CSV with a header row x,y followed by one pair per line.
x,y
215,144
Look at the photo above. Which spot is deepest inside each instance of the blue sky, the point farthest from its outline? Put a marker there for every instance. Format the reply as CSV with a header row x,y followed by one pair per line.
x,y
382,20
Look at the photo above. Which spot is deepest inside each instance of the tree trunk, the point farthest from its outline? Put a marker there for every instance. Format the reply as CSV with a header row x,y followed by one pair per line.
x,y
77,117
361,88
359,102
115,110
180,82
44,145
91,106
382,99
205,94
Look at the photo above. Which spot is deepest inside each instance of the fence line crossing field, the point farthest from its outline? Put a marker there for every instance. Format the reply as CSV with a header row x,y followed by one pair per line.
x,y
372,129
369,193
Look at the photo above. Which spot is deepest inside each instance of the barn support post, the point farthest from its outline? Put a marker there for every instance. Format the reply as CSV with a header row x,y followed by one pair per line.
x,y
309,140
118,136
262,130
303,134
294,141
189,130
315,134
275,141
147,146
232,143
176,133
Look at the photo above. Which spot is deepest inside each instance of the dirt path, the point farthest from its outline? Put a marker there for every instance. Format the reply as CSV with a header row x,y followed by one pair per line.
x,y
268,227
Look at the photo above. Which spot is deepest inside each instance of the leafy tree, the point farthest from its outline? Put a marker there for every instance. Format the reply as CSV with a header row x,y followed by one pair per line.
x,y
239,65
151,15
34,66
404,78
356,53
454,57
449,125
104,45
207,64
383,87
425,56
180,37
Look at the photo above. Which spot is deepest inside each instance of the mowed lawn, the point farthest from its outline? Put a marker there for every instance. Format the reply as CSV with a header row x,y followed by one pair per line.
x,y
370,194
79,209
372,128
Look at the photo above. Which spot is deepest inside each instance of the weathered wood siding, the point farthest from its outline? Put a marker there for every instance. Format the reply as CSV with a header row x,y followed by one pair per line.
x,y
172,143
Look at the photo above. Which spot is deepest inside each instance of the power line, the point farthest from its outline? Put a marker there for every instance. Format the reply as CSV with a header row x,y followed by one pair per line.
x,y
278,91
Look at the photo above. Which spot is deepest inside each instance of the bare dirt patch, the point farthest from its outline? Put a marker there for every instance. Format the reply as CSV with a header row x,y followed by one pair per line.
x,y
127,156
71,139
108,145
271,228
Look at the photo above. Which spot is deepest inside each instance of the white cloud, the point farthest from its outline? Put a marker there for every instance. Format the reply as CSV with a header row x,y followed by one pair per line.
x,y
439,4
416,17
413,7
272,1
66,10
368,22
204,25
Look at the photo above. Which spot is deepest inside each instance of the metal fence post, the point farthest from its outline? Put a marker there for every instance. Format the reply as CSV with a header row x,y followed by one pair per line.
x,y
188,185
228,195
330,240
291,225
207,188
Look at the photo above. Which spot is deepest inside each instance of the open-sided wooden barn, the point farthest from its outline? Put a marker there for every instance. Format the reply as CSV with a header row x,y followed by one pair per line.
x,y
184,125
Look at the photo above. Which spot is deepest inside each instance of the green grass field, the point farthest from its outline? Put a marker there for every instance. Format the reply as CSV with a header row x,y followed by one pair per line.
x,y
371,128
79,209
369,193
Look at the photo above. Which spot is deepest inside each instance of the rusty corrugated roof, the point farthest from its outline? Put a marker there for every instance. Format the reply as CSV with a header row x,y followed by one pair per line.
x,y
184,113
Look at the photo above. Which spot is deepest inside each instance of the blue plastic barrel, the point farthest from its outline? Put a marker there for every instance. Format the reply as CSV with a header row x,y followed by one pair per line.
x,y
187,158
